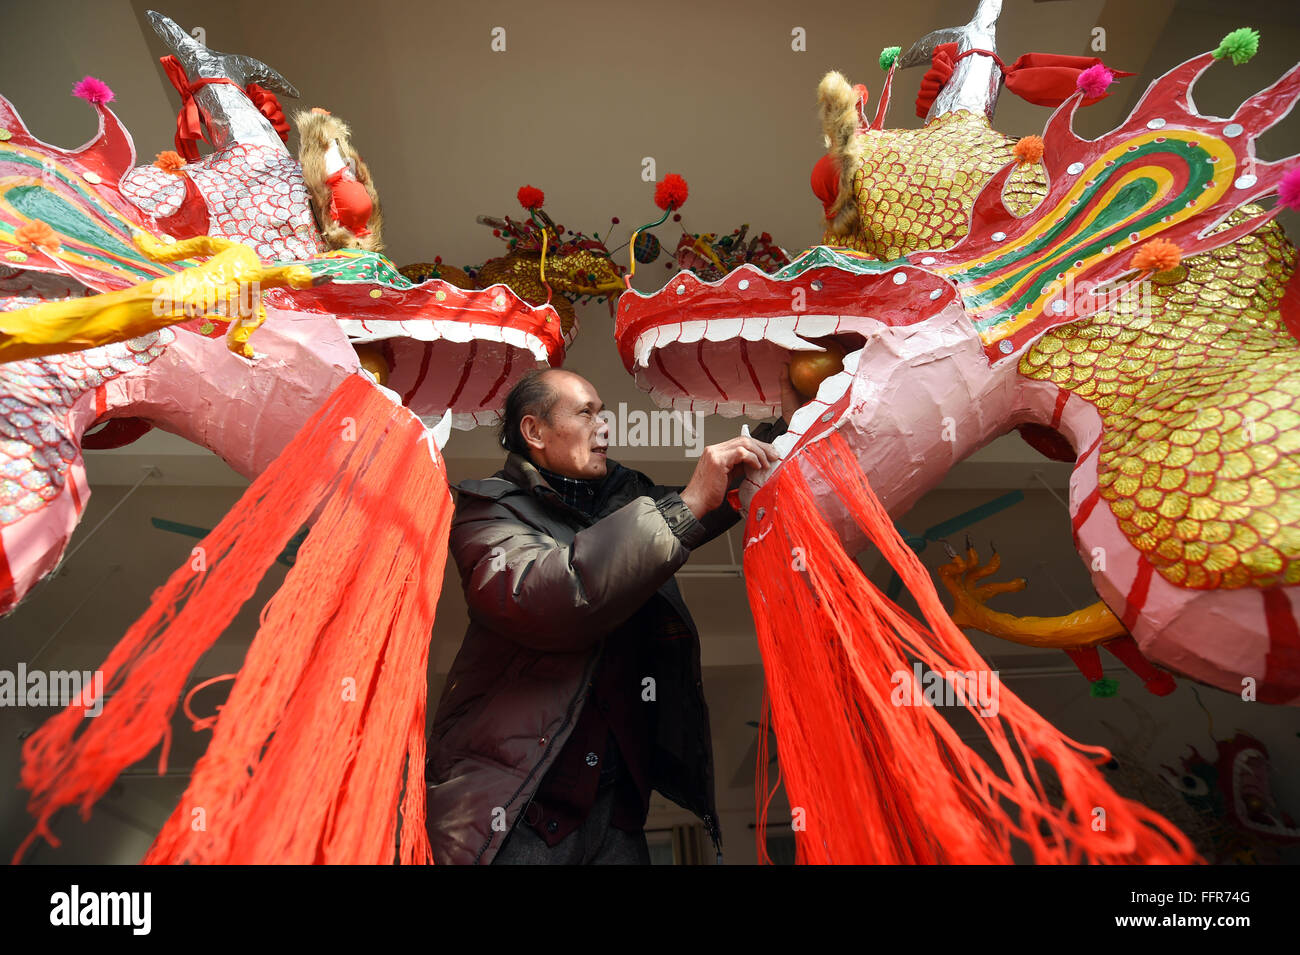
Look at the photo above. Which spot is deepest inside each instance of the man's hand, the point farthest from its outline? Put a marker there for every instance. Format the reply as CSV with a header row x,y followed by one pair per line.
x,y
719,465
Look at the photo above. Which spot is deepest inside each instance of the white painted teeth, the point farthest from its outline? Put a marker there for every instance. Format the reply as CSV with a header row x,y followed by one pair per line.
x,y
490,333
786,332
851,361
833,388
790,341
684,403
721,329
816,326
778,331
643,346
455,331
784,443
442,430
692,331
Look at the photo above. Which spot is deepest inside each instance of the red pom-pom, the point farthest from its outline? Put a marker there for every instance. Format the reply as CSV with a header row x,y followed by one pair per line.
x,y
93,90
863,96
1094,81
1288,190
530,197
671,193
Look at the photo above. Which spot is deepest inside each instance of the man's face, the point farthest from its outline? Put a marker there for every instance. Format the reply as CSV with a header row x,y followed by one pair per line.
x,y
575,441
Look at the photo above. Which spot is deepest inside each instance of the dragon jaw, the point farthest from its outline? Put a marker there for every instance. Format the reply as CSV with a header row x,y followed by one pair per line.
x,y
914,361
446,347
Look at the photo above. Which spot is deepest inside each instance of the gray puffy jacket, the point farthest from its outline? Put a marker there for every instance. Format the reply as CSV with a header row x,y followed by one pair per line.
x,y
547,587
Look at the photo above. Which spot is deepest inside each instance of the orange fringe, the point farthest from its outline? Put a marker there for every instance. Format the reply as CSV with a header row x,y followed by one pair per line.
x,y
327,714
875,782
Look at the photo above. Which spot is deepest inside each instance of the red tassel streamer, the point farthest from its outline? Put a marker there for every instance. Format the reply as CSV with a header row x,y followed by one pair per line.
x,y
327,714
872,781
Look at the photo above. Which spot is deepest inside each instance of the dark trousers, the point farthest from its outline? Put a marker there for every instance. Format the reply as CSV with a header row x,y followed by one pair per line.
x,y
595,842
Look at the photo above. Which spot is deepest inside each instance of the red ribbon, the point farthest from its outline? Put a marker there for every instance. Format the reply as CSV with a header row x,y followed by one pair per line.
x,y
189,123
1044,79
269,106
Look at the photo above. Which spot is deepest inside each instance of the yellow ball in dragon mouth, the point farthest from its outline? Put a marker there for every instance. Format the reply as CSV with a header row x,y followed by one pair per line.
x,y
808,369
373,361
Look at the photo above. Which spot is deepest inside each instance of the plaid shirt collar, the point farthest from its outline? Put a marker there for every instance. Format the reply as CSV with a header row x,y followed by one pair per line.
x,y
588,495
582,493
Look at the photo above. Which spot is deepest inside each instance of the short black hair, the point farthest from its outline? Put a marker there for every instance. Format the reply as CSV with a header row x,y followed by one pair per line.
x,y
531,395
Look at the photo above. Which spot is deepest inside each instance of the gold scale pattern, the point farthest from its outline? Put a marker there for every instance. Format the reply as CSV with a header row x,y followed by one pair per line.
x,y
913,186
1197,382
1198,387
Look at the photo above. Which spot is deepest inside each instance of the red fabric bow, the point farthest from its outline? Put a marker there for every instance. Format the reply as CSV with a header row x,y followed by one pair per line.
x,y
189,125
826,182
1049,79
1044,79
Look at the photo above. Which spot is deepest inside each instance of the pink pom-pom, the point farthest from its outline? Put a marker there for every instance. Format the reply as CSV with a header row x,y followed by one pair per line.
x,y
93,91
1288,190
1094,81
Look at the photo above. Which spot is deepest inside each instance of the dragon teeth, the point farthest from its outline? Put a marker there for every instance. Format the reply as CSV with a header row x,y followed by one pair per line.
x,y
833,388
787,339
721,329
816,326
455,331
643,347
784,443
442,430
692,331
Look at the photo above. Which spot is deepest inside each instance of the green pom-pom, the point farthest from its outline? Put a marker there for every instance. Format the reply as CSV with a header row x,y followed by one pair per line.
x,y
888,55
1104,687
1240,44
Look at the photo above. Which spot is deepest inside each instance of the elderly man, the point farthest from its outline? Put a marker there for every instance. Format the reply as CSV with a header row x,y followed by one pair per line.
x,y
577,689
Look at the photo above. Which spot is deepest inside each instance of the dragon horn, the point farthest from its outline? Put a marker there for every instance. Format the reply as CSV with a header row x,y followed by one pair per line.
x,y
255,71
200,60
976,80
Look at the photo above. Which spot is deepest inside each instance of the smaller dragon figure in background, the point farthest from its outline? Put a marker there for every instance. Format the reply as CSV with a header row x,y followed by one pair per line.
x,y
543,265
